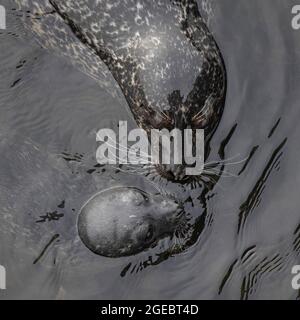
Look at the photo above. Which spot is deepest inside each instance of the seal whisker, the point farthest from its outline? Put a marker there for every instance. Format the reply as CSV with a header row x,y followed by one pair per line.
x,y
142,169
202,113
164,115
119,146
218,162
213,180
116,157
224,174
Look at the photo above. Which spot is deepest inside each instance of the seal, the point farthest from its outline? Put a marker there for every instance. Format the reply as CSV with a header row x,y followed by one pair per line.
x,y
124,221
161,54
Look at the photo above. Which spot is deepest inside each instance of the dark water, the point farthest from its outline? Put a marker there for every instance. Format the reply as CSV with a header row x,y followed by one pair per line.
x,y
247,237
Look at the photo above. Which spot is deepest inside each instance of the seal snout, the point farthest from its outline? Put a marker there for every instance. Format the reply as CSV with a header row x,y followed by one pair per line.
x,y
173,173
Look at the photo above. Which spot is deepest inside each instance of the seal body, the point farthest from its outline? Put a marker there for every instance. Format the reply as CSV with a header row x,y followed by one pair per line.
x,y
161,54
124,221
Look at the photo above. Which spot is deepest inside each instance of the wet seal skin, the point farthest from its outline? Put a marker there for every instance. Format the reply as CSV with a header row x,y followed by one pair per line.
x,y
124,221
169,68
161,54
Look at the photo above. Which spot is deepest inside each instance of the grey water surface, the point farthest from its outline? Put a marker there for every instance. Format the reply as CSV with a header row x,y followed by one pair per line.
x,y
249,236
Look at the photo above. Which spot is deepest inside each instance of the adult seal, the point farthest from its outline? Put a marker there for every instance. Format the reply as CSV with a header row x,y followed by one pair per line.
x,y
124,221
160,53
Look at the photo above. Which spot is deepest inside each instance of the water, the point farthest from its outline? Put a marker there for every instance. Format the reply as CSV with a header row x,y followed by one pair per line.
x,y
247,237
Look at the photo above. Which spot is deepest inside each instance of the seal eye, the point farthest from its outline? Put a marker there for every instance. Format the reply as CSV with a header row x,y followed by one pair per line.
x,y
145,197
149,234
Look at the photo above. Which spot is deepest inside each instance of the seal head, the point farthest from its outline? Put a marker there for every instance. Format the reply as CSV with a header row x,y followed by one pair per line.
x,y
163,57
124,221
161,54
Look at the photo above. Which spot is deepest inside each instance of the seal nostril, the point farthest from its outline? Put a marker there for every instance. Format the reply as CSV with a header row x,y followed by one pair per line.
x,y
171,174
149,234
178,176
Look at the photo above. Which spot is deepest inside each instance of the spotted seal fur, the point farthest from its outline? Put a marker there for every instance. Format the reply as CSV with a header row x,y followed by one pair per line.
x,y
160,53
